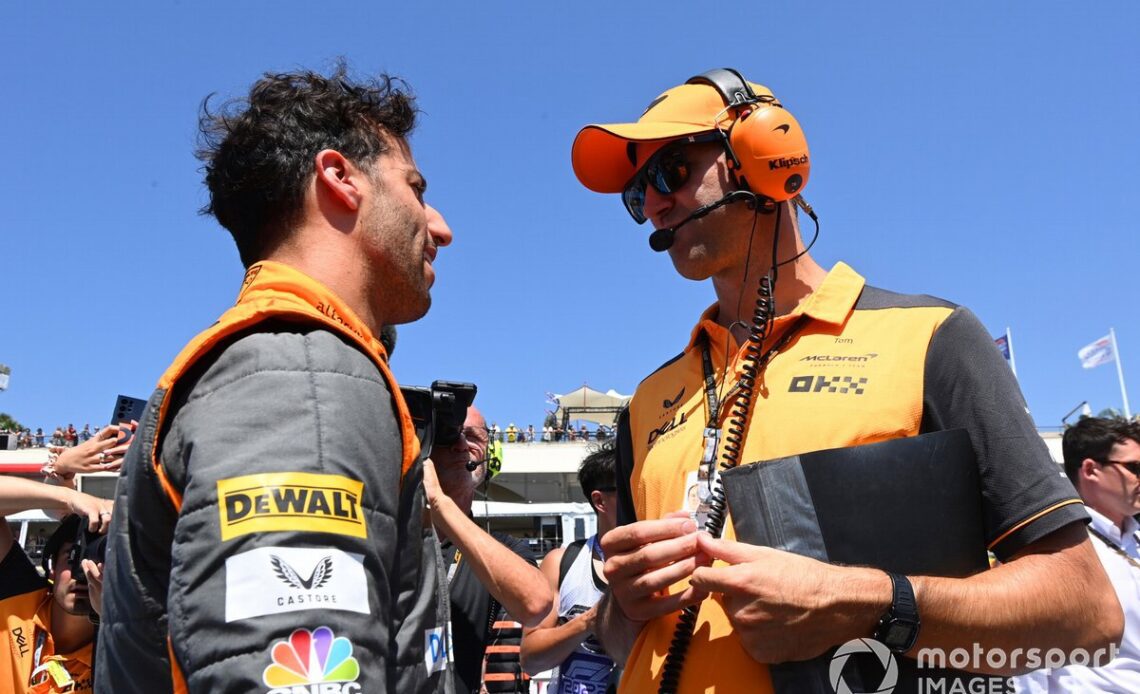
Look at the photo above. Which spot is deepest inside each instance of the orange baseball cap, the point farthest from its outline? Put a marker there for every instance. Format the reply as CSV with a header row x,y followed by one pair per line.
x,y
601,154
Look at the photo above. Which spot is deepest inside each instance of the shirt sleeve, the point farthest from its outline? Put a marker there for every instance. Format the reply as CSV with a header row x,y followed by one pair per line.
x,y
519,546
623,470
17,575
968,385
289,455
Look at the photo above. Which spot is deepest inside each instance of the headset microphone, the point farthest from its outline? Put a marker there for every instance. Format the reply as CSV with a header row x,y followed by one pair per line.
x,y
473,465
661,239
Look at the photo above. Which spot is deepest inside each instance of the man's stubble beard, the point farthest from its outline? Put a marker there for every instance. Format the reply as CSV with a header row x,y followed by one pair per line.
x,y
399,272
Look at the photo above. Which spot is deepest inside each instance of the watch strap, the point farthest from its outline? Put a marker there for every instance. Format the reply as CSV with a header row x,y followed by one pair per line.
x,y
903,612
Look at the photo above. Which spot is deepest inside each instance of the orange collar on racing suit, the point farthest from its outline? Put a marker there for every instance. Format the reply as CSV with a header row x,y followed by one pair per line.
x,y
274,290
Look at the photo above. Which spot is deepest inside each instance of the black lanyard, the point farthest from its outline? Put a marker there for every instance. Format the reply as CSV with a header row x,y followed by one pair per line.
x,y
1114,547
711,396
712,435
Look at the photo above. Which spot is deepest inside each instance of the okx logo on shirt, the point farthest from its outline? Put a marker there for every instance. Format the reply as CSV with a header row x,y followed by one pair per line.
x,y
312,662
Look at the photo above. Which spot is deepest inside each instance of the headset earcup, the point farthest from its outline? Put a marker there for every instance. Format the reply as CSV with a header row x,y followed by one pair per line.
x,y
773,152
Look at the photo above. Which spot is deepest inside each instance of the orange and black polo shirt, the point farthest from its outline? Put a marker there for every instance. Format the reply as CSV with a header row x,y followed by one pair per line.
x,y
866,365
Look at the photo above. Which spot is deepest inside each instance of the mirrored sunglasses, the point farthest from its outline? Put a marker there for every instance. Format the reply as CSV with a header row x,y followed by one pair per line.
x,y
667,171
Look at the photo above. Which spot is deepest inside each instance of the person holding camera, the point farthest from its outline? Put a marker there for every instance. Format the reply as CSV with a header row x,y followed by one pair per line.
x,y
47,641
270,526
493,579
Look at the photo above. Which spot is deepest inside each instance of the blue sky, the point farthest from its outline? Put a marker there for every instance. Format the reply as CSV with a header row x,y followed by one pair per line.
x,y
982,152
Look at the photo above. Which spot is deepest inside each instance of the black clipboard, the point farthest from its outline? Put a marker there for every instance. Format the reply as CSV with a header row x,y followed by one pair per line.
x,y
911,506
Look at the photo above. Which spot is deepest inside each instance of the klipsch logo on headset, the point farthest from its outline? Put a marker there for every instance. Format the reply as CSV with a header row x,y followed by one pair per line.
x,y
828,384
787,162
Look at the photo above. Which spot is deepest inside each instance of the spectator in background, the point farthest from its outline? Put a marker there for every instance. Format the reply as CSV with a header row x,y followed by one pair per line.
x,y
547,433
584,433
490,576
1102,460
565,638
85,434
530,433
57,437
71,436
39,437
48,622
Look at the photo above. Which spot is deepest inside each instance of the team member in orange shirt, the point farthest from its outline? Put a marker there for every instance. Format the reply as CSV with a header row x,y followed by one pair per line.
x,y
717,166
47,639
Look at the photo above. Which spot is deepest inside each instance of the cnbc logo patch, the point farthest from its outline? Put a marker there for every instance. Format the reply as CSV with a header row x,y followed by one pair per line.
x,y
312,662
290,501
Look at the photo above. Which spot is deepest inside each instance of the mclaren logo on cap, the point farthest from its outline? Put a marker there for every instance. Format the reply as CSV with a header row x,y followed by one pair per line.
x,y
301,501
653,104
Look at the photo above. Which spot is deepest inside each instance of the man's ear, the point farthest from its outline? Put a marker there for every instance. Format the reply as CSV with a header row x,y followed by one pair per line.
x,y
598,501
339,177
1089,469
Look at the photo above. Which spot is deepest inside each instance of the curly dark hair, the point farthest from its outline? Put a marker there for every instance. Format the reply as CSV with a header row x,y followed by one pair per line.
x,y
597,469
258,151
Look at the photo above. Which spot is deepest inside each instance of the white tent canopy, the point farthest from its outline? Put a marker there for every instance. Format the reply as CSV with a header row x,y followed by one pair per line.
x,y
590,405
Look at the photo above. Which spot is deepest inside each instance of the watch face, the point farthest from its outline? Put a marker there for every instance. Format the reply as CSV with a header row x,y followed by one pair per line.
x,y
898,633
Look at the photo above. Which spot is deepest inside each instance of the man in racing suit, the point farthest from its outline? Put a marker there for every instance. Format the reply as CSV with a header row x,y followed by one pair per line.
x,y
269,531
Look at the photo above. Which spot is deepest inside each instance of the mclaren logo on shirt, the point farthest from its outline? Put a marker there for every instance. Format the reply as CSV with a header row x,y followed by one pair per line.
x,y
828,384
298,501
845,358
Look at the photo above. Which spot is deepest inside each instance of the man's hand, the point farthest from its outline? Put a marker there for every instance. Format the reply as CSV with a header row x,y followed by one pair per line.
x,y
786,607
644,558
97,511
94,574
432,491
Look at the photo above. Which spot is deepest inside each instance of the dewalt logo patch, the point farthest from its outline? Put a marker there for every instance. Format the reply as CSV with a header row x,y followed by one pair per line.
x,y
283,501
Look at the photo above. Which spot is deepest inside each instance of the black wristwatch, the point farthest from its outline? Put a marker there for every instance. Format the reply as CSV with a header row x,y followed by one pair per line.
x,y
898,628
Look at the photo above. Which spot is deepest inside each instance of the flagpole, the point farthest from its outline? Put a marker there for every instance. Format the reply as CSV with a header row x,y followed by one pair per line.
x,y
1009,342
1120,374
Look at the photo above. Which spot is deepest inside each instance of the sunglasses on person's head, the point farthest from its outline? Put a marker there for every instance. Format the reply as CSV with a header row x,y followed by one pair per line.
x,y
667,170
1132,466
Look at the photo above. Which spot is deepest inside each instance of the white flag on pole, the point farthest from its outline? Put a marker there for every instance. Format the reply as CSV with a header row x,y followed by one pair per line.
x,y
1097,353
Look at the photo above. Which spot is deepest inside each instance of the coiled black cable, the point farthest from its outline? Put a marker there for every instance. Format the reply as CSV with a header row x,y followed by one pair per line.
x,y
754,362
